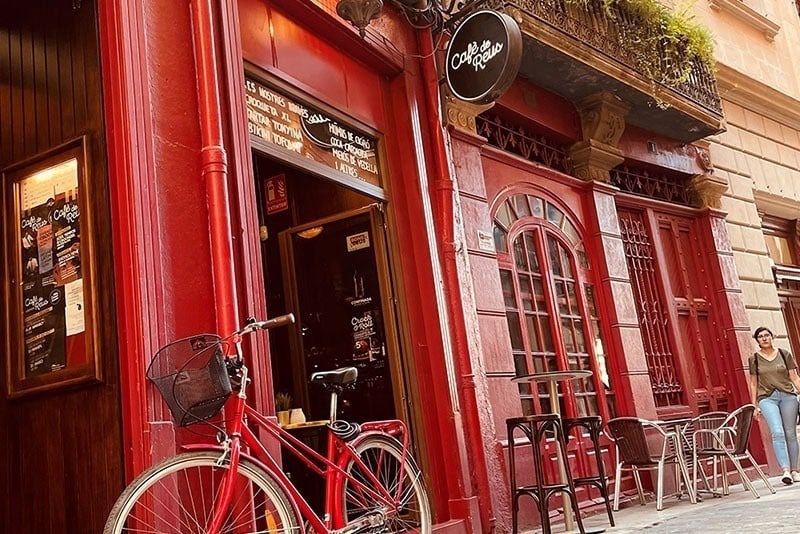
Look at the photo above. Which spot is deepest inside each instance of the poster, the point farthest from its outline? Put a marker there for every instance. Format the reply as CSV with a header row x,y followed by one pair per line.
x,y
52,289
365,324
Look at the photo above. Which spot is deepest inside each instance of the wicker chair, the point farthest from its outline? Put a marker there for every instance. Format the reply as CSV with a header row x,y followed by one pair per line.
x,y
632,443
706,421
729,441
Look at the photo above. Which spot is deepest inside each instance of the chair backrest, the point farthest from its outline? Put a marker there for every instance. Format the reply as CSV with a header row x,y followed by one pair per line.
x,y
705,421
630,438
740,421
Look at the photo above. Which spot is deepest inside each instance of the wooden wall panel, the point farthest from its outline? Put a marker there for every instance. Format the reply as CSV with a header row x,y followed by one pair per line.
x,y
61,452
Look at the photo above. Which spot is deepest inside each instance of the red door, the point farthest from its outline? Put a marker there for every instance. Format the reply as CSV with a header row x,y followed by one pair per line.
x,y
668,263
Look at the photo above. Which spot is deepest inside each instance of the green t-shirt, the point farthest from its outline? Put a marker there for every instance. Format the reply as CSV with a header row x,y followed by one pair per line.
x,y
773,374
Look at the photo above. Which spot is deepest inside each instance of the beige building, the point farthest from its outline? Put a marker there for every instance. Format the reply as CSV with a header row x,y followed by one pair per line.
x,y
758,53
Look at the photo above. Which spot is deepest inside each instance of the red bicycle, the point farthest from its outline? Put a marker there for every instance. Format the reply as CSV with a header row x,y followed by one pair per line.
x,y
372,483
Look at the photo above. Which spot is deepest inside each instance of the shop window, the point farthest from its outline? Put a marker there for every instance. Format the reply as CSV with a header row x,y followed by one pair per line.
x,y
551,306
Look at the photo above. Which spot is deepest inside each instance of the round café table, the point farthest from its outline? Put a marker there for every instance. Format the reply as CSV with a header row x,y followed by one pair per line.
x,y
552,378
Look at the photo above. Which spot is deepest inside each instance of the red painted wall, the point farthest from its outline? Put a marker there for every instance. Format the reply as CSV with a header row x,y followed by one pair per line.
x,y
382,89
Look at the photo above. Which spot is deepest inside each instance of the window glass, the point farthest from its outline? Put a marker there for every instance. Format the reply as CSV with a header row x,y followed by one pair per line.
x,y
520,205
537,207
544,289
779,250
503,216
500,238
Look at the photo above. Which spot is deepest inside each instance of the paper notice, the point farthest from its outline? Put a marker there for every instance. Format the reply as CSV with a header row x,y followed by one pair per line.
x,y
47,183
73,295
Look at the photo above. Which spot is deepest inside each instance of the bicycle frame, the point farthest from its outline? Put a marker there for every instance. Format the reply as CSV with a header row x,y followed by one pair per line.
x,y
332,466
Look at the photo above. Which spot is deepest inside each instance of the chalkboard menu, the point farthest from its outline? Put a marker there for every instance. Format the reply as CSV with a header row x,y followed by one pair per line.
x,y
52,340
298,127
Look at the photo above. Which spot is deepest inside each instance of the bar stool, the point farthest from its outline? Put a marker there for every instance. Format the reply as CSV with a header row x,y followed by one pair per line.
x,y
535,428
594,426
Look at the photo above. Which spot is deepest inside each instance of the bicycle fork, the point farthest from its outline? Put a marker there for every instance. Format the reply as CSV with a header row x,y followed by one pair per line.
x,y
232,449
228,482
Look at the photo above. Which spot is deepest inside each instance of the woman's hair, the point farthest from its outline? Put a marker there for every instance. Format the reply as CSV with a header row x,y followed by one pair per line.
x,y
761,329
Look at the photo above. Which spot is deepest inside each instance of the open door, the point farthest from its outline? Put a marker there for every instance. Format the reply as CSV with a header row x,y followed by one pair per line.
x,y
337,283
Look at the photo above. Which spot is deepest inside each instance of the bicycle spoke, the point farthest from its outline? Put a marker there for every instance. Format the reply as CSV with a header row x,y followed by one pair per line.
x,y
399,481
181,496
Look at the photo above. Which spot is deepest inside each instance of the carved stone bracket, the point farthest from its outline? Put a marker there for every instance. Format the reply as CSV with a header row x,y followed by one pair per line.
x,y
706,190
602,122
603,117
462,114
592,160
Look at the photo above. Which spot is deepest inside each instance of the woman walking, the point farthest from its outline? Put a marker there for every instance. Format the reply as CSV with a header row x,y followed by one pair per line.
x,y
774,384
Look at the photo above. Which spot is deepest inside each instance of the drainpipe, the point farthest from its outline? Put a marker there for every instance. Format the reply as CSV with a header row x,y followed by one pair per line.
x,y
444,193
214,167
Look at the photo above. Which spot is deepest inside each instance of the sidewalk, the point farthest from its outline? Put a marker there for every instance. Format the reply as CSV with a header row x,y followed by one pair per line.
x,y
738,512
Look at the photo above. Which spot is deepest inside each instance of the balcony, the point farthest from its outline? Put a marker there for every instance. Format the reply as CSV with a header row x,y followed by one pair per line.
x,y
576,50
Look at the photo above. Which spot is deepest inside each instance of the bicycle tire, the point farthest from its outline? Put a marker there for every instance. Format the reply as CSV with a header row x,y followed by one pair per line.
x,y
178,494
382,455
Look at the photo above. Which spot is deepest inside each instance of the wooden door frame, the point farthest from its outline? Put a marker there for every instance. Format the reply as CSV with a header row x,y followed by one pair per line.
x,y
397,369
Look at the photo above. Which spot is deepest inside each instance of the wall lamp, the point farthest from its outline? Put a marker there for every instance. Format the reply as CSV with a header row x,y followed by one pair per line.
x,y
436,14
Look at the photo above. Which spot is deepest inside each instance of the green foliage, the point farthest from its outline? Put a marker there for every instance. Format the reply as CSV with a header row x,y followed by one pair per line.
x,y
283,401
665,42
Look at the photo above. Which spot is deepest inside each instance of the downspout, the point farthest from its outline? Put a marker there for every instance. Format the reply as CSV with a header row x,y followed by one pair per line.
x,y
444,193
214,167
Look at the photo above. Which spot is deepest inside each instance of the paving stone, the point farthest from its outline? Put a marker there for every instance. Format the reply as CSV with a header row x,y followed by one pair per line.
x,y
737,513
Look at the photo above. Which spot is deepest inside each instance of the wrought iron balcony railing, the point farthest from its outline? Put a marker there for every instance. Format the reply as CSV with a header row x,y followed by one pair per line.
x,y
615,32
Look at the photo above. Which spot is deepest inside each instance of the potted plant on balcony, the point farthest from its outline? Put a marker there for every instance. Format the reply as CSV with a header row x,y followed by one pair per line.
x,y
666,43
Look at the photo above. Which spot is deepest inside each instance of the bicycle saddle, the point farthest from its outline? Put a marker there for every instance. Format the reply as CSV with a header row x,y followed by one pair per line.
x,y
337,380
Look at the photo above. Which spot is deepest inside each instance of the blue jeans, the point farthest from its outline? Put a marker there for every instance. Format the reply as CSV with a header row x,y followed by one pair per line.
x,y
780,411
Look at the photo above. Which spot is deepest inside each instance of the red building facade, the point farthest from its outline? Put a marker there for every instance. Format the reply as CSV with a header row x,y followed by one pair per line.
x,y
571,229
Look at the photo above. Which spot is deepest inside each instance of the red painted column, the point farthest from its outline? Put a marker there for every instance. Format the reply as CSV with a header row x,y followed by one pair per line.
x,y
444,215
735,340
215,167
626,348
124,77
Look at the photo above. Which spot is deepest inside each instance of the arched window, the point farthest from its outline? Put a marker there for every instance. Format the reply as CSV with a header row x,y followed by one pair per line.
x,y
551,306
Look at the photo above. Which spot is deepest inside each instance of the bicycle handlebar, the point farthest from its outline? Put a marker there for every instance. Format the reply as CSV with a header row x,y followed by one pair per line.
x,y
254,325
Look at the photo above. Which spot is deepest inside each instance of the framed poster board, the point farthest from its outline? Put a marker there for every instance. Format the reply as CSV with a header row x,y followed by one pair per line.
x,y
52,339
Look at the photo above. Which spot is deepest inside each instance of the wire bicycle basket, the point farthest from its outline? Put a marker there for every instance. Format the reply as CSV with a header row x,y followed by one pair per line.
x,y
191,376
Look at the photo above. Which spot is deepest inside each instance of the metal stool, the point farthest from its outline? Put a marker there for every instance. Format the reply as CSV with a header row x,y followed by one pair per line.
x,y
535,428
594,426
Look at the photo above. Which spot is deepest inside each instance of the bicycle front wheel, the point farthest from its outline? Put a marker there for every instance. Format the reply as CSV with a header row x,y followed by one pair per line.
x,y
410,510
180,494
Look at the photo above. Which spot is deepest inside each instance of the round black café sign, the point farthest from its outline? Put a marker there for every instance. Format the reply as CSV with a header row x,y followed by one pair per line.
x,y
483,56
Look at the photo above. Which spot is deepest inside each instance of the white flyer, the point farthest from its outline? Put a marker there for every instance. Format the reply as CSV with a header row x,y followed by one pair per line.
x,y
73,295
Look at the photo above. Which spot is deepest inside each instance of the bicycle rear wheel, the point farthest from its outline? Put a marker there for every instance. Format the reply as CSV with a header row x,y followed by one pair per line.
x,y
382,456
180,494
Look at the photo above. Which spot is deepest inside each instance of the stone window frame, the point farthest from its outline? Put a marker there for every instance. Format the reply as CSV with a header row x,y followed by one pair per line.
x,y
746,13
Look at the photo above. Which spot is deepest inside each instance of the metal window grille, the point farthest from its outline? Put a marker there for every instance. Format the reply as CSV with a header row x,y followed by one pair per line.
x,y
653,317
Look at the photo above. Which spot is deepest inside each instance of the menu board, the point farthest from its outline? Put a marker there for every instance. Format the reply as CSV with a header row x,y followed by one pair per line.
x,y
285,122
52,285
